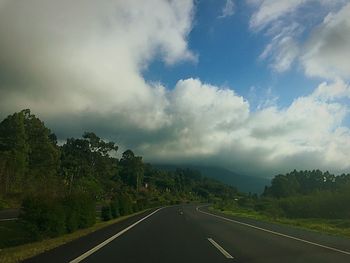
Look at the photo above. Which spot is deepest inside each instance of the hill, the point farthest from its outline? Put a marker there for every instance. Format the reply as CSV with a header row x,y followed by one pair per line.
x,y
243,183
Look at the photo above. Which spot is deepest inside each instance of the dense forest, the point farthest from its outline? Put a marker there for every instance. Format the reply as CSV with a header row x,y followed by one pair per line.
x,y
310,194
301,194
59,186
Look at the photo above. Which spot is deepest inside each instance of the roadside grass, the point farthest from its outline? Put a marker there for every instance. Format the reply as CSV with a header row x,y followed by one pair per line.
x,y
22,252
13,233
338,227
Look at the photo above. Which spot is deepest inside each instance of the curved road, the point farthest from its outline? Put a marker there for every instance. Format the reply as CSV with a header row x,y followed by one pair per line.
x,y
188,234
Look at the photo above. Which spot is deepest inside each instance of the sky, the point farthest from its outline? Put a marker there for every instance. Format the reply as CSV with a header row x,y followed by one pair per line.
x,y
259,87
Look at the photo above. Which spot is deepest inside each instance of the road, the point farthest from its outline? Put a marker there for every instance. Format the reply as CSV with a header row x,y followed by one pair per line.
x,y
188,234
9,214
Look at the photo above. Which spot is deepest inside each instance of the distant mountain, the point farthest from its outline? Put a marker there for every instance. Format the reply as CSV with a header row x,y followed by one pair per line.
x,y
243,183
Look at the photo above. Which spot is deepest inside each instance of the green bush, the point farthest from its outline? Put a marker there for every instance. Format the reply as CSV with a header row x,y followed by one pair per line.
x,y
72,220
114,207
126,206
322,204
2,204
87,211
49,217
80,211
43,216
135,207
269,207
106,213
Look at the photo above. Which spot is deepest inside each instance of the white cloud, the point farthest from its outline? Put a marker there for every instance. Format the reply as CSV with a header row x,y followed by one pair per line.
x,y
270,10
288,23
228,9
203,118
336,90
62,57
283,48
328,49
79,67
306,130
215,126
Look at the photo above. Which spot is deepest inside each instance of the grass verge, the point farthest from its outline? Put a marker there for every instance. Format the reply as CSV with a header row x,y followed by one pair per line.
x,y
22,252
13,233
338,227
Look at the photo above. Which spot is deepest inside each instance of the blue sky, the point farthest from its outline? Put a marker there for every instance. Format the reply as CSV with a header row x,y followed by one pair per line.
x,y
259,87
228,55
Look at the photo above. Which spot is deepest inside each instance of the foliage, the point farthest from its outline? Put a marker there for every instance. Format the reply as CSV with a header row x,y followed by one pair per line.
x,y
80,211
125,203
306,194
13,233
132,169
114,207
43,217
29,154
106,213
304,182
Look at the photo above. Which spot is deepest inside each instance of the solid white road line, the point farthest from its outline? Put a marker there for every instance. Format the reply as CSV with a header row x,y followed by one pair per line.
x,y
275,233
220,248
93,250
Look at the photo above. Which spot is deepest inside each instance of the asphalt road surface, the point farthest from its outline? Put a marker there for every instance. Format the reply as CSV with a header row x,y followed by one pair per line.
x,y
9,214
188,234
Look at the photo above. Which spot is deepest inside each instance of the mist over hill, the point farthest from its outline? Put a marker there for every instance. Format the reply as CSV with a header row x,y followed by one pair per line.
x,y
243,183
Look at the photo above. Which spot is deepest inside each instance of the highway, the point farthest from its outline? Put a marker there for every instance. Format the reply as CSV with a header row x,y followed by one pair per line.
x,y
193,234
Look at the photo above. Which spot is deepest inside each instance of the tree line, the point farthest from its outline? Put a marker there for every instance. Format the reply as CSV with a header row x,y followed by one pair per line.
x,y
59,186
302,194
305,182
308,194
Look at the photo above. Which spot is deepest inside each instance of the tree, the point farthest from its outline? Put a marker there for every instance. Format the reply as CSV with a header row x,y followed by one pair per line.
x,y
87,165
132,169
14,151
43,156
96,144
44,153
282,186
75,165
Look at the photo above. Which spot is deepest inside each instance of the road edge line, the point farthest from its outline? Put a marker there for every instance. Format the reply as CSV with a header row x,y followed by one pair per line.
x,y
220,248
274,232
99,246
9,219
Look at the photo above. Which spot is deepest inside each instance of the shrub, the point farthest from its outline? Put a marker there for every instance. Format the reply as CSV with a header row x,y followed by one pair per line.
x,y
114,207
87,211
71,204
72,220
43,216
2,204
126,206
46,216
106,213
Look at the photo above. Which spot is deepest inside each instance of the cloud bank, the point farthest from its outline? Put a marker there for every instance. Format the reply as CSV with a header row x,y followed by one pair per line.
x,y
79,67
313,33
